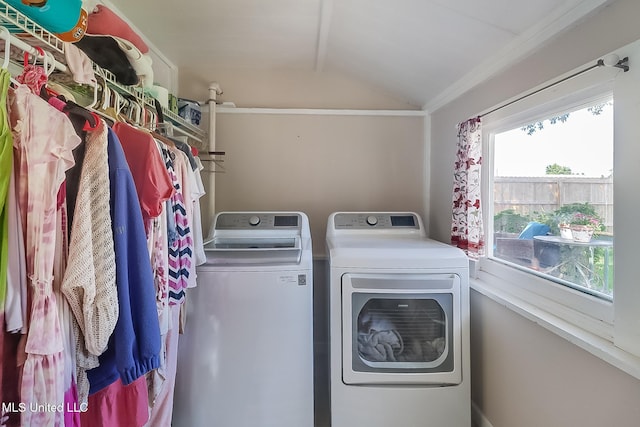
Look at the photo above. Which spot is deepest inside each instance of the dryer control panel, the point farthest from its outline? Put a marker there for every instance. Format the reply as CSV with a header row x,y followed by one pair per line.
x,y
257,220
376,220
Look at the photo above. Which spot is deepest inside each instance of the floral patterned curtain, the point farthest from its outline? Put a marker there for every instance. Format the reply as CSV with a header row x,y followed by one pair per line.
x,y
467,230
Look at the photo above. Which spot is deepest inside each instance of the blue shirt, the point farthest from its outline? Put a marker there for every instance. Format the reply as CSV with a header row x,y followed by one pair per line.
x,y
134,346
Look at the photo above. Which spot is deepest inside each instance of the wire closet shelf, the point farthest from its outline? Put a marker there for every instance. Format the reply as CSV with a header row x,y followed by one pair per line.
x,y
23,28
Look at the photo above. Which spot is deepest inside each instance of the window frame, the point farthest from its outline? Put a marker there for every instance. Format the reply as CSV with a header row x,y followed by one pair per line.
x,y
594,314
606,329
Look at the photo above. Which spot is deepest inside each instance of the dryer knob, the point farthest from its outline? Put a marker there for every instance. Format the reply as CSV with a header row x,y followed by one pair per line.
x,y
372,220
254,220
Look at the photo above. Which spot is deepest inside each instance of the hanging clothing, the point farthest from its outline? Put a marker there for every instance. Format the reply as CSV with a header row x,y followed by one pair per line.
x,y
71,417
134,346
190,195
162,410
15,305
11,316
198,234
160,262
43,141
6,171
181,249
89,283
197,192
186,149
151,179
118,405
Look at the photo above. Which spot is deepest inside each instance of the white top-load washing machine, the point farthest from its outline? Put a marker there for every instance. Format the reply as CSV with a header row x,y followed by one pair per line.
x,y
246,356
399,324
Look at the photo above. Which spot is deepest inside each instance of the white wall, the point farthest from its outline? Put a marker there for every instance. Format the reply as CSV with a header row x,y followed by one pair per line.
x,y
523,375
319,164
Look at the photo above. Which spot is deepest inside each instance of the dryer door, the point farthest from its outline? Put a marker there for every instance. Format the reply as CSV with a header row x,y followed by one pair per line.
x,y
401,329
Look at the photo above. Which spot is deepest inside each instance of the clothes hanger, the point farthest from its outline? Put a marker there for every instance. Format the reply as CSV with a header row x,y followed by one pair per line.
x,y
95,96
7,53
71,108
130,111
99,93
152,119
99,89
135,112
7,46
46,56
163,139
106,109
92,120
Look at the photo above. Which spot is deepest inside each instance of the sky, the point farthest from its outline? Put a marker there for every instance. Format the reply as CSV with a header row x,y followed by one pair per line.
x,y
519,154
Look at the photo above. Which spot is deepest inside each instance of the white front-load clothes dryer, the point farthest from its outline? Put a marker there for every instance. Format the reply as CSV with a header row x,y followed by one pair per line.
x,y
246,356
399,324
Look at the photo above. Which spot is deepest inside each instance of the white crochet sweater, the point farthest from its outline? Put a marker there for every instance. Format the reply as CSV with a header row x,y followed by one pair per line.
x,y
89,282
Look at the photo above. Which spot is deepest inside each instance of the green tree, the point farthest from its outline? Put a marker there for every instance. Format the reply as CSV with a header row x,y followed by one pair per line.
x,y
596,110
556,169
531,128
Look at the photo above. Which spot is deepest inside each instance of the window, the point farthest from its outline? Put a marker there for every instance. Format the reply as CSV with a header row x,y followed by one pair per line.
x,y
593,308
553,197
520,144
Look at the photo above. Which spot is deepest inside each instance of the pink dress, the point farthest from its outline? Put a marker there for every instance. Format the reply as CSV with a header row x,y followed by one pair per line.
x,y
43,142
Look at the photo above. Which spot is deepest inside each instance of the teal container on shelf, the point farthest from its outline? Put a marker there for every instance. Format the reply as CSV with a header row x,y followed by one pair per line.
x,y
64,18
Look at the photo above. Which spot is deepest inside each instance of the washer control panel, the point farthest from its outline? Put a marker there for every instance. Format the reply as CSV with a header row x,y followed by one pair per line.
x,y
367,221
257,220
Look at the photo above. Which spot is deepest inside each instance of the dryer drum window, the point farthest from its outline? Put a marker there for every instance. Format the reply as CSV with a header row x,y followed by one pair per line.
x,y
402,333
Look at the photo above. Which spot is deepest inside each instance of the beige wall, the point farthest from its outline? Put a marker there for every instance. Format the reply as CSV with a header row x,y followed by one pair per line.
x,y
523,375
288,89
526,376
319,164
315,163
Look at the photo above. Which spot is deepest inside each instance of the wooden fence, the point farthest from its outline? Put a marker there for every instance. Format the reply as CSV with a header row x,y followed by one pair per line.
x,y
527,195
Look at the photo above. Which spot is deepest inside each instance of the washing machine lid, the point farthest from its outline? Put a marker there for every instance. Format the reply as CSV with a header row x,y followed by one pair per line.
x,y
257,238
236,251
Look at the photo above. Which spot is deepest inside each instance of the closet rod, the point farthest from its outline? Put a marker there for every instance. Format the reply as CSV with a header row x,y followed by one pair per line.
x,y
6,35
188,134
172,128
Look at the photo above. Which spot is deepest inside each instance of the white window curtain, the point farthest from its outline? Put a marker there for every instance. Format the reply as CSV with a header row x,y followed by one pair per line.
x,y
467,231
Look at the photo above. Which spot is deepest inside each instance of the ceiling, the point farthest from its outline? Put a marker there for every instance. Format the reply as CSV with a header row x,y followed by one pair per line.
x,y
425,52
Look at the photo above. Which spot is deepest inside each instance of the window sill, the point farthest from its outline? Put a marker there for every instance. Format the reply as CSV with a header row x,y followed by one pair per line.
x,y
586,340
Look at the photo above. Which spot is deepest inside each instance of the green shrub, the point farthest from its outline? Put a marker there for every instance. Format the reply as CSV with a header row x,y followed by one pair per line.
x,y
509,221
564,214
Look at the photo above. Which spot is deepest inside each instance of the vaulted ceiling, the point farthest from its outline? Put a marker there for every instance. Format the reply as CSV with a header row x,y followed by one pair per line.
x,y
422,51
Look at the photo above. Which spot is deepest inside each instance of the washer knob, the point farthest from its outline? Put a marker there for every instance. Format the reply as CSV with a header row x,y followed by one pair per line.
x,y
372,220
254,220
